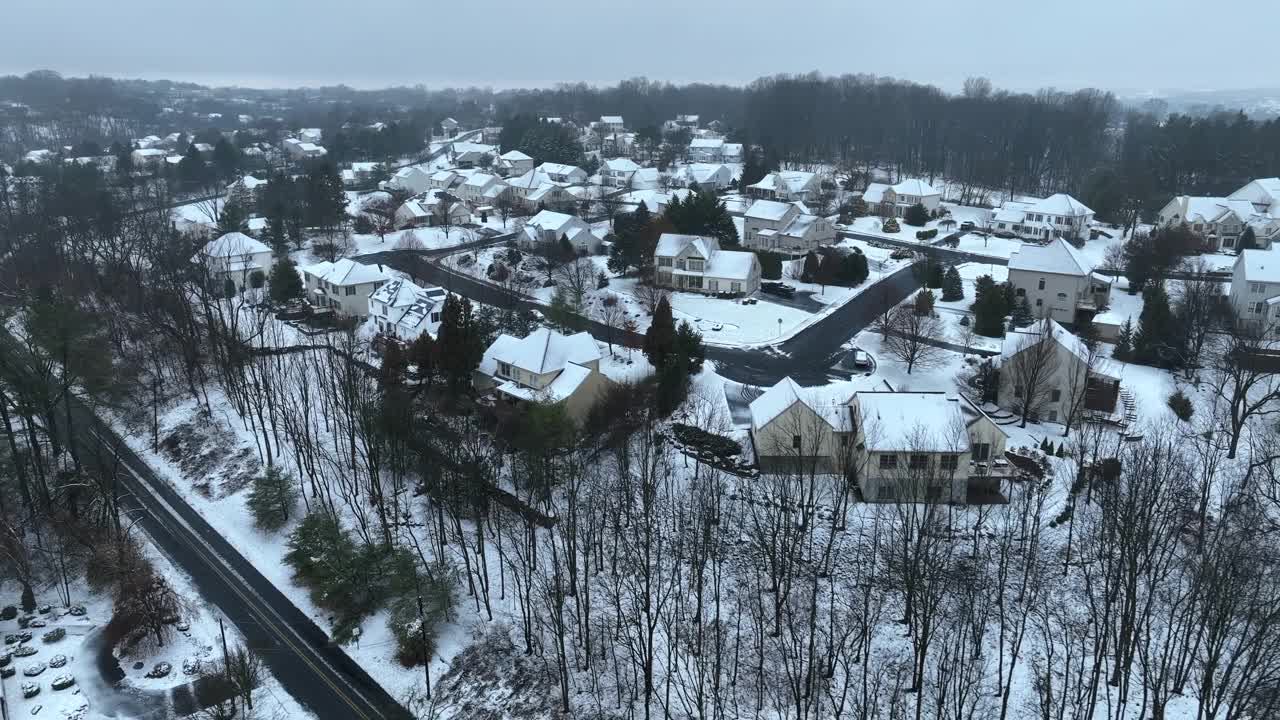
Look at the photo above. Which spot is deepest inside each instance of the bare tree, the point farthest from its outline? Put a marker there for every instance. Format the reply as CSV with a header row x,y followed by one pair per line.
x,y
409,240
381,213
443,212
1245,386
1033,368
912,339
1198,301
578,276
610,313
651,295
1082,373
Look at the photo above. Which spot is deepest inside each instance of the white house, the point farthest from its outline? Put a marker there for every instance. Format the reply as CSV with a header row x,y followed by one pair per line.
x,y
544,367
617,172
709,177
233,256
900,446
550,227
514,162
311,135
359,172
300,150
481,188
1255,290
1058,282
565,174
445,179
697,264
1057,216
706,150
343,286
429,209
687,121
785,185
469,155
245,190
785,227
612,123
894,200
1059,364
147,157
1221,221
404,311
414,179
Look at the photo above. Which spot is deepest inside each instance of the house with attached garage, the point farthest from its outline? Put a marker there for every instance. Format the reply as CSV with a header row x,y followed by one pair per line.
x,y
697,264
430,208
414,179
707,177
235,257
785,227
894,200
343,286
899,446
786,185
404,311
611,123
617,172
549,227
563,174
1058,282
1222,220
706,150
1255,290
1069,379
1057,216
481,189
514,163
544,367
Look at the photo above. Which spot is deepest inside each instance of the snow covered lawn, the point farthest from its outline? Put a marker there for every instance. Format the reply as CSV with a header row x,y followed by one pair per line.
x,y
990,245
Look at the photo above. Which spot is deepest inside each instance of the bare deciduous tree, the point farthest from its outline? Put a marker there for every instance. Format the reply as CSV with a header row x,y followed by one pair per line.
x,y
912,339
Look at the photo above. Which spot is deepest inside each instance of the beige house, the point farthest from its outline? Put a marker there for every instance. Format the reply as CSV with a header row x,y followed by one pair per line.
x,y
900,446
544,367
514,163
1058,282
894,200
1068,379
785,227
343,286
1221,220
697,264
784,185
1255,290
549,227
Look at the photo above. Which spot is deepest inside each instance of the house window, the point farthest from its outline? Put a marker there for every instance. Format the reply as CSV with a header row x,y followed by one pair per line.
x,y
844,441
694,281
350,291
949,463
713,285
1257,288
981,452
1041,285
1260,308
919,461
1062,296
888,462
795,442
504,369
1020,292
1053,416
1055,395
1039,302
435,317
664,262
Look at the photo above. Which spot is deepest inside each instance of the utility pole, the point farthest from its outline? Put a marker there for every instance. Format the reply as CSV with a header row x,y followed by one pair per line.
x,y
226,660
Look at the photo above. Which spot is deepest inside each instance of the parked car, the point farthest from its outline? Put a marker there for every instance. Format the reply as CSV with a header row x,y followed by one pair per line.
x,y
778,288
966,226
857,359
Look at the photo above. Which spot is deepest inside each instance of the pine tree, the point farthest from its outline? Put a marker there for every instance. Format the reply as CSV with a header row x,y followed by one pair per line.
x,y
395,365
935,278
989,307
459,342
1157,340
952,285
272,498
659,339
809,272
1022,315
829,269
1248,239
916,215
688,348
924,302
1124,343
285,284
422,355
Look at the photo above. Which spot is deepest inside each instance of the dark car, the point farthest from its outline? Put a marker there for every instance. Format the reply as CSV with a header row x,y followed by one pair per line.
x,y
966,226
777,288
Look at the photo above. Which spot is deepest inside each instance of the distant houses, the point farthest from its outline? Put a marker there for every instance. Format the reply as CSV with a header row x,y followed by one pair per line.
x,y
1221,221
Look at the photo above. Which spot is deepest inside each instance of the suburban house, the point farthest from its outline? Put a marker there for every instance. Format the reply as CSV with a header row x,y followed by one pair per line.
x,y
1057,216
785,227
708,177
612,123
1069,379
548,196
235,257
429,210
900,446
544,367
687,121
404,311
1221,221
618,143
514,162
299,150
413,179
145,157
359,172
444,179
785,185
1058,282
550,227
697,264
481,188
311,135
245,191
706,150
343,286
617,172
1255,290
565,174
470,155
894,200
449,125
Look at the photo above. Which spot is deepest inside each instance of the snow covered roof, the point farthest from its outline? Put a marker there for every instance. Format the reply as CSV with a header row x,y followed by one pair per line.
x,y
707,143
1015,341
542,351
1260,265
549,220
234,244
831,403
249,182
514,156
912,421
672,244
1263,191
1214,209
480,180
704,172
621,165
543,191
408,305
346,272
562,388
731,264
874,194
915,186
611,119
560,169
1061,204
768,210
1058,257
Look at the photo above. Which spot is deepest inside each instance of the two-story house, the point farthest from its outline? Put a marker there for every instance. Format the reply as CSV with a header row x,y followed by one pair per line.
x,y
1058,282
544,367
549,227
1255,290
1069,380
343,286
697,264
514,163
404,311
785,185
894,200
563,174
481,189
611,123
1220,221
706,150
899,446
235,257
617,172
785,227
1057,216
431,209
705,177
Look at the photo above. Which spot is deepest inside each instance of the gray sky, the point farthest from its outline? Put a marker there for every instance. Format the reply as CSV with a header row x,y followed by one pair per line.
x,y
1124,45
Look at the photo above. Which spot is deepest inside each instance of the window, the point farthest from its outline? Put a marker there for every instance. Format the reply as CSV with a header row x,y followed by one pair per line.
x,y
949,463
350,290
1039,302
888,462
1257,288
1053,416
695,266
1055,395
504,369
795,442
844,441
981,452
713,285
694,281
435,317
1020,292
664,262
735,287
1062,296
919,461
1260,308
1041,285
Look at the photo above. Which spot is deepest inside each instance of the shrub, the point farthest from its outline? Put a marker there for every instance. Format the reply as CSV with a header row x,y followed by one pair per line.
x,y
924,303
272,499
363,225
9,612
770,264
257,279
916,215
406,621
1181,406
890,226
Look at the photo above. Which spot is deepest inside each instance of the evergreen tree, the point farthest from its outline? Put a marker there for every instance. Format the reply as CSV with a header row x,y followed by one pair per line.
x,y
688,347
924,302
1124,343
809,272
989,307
423,356
285,284
829,270
460,347
702,213
916,215
272,498
660,338
952,285
228,288
1248,239
191,168
935,279
770,264
226,159
1022,315
395,365
1157,340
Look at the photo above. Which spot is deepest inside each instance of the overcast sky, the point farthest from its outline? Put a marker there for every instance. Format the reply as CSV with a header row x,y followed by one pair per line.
x,y
1123,45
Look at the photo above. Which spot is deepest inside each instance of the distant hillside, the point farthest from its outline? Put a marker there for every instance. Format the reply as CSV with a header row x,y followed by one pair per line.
x,y
1259,102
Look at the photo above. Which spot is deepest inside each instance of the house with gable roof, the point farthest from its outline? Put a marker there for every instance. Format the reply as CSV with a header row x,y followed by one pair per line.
x,y
1255,290
544,367
1221,221
235,257
894,200
550,227
697,264
617,172
1065,369
1058,282
785,185
514,163
1057,216
785,227
404,311
343,286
